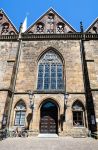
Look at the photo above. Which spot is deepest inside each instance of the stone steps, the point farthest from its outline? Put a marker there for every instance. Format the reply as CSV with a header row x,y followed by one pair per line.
x,y
48,136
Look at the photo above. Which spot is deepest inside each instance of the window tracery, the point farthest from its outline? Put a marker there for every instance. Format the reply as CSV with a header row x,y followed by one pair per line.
x,y
78,114
20,112
5,27
50,72
60,27
40,27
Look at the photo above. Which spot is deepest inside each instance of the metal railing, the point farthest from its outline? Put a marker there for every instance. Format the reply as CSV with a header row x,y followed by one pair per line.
x,y
70,36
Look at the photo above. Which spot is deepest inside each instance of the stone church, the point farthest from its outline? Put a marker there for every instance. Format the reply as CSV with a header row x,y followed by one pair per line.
x,y
49,76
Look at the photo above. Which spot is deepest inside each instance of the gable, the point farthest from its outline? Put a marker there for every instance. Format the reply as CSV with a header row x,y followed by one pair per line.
x,y
50,23
6,26
94,27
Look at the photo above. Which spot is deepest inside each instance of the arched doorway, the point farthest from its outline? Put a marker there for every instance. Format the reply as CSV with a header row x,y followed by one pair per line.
x,y
49,117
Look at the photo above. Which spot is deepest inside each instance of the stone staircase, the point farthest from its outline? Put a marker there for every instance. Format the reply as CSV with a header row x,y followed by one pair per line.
x,y
48,136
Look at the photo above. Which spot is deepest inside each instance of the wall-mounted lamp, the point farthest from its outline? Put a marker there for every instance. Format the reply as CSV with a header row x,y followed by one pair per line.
x,y
66,95
31,99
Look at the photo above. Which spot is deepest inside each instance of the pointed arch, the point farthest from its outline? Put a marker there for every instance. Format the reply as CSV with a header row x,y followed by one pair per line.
x,y
20,113
40,27
55,51
78,103
50,71
20,102
50,99
49,116
78,114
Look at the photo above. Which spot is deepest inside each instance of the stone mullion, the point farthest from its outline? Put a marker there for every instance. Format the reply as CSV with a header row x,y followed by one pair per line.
x,y
50,76
56,76
43,75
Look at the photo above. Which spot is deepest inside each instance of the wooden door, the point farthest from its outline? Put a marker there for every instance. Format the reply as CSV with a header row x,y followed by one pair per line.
x,y
48,121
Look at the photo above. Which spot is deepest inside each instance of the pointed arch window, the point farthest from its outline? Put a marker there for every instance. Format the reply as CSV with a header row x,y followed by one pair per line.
x,y
78,114
50,72
20,112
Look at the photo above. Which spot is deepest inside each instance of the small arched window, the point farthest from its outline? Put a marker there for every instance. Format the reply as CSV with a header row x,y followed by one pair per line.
x,y
50,72
60,27
30,32
70,32
12,33
78,114
40,27
20,111
50,18
95,29
5,27
1,16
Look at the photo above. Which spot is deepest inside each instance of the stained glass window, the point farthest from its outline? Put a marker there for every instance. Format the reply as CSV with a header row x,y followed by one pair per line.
x,y
50,72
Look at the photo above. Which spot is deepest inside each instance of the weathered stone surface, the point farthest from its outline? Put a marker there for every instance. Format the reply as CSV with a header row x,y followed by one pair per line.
x,y
26,78
19,74
70,51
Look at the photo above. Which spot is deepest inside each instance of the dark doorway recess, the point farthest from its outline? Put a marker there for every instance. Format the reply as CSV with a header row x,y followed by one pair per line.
x,y
49,118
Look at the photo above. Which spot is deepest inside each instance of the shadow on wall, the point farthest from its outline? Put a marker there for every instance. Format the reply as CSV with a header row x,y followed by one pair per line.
x,y
61,121
29,118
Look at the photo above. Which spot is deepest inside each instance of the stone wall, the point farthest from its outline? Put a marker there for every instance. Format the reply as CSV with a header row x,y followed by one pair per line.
x,y
3,97
7,58
91,49
31,51
28,67
27,79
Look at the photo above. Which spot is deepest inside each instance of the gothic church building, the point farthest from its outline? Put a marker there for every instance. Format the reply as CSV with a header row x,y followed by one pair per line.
x,y
49,76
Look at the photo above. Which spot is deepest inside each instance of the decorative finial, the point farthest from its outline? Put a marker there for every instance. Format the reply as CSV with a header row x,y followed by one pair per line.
x,y
20,31
20,28
81,27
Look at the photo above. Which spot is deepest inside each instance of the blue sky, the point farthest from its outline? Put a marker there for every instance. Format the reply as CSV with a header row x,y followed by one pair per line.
x,y
73,11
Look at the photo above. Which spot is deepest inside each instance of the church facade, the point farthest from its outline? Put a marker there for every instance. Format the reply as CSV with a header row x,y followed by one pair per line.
x,y
49,77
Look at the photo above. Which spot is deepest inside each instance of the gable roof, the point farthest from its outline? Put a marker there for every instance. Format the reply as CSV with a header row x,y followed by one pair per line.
x,y
52,11
6,19
92,25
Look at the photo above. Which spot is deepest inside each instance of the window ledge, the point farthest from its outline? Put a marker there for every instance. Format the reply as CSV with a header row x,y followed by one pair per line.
x,y
50,92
